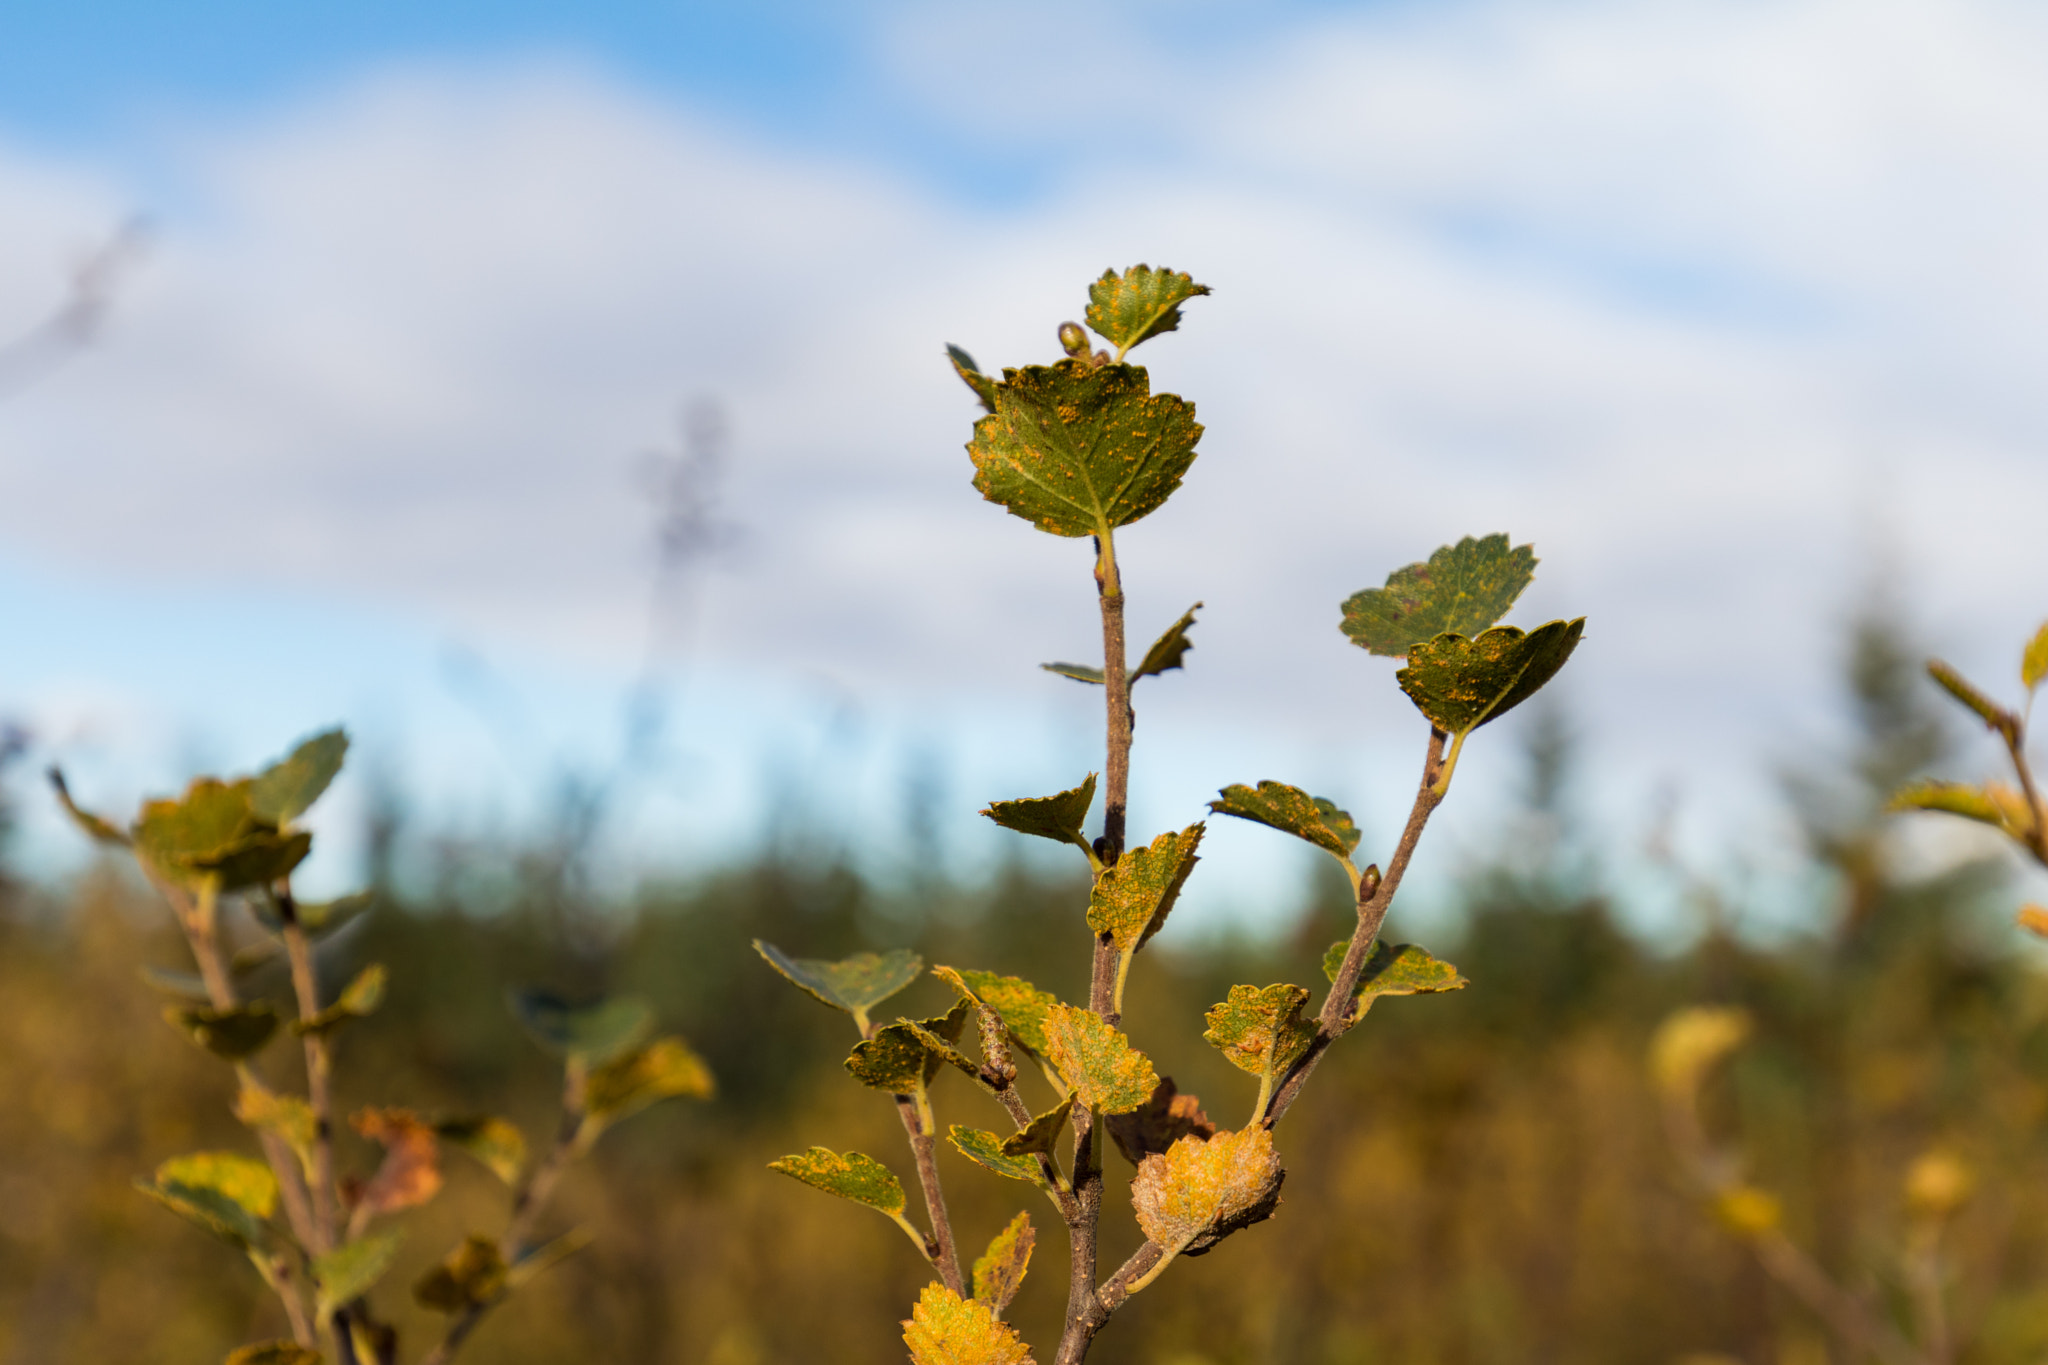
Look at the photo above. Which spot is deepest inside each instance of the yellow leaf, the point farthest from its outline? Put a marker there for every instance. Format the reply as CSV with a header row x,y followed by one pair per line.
x,y
999,1272
2034,919
1690,1041
1748,1211
1938,1183
945,1329
1203,1183
1097,1061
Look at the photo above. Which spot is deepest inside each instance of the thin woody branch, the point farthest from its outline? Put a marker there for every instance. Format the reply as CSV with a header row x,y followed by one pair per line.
x,y
1337,1015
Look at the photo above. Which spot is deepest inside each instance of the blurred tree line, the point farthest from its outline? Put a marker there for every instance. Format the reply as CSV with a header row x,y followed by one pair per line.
x,y
1483,1180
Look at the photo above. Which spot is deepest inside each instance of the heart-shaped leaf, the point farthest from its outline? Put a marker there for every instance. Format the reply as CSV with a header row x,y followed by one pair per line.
x,y
1132,899
285,790
1079,450
592,1034
1098,1062
945,1329
1394,969
242,1179
1461,684
853,1176
1042,1133
897,1060
1292,811
1463,589
1138,304
1021,1005
1057,817
986,1149
1261,1030
855,984
1204,1184
664,1069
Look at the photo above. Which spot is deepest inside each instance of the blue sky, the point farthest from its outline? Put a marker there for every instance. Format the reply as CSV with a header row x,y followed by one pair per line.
x,y
1706,300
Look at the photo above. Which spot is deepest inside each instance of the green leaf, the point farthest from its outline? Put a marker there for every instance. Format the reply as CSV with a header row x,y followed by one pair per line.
x,y
1132,899
1461,684
945,1329
1261,1031
1956,798
853,1176
971,375
470,1276
855,984
1057,817
1396,969
999,1271
1292,811
1993,715
1166,652
496,1142
272,1111
1139,304
897,1060
986,1149
1098,1062
592,1034
208,1209
228,1034
101,829
280,1352
1463,589
245,1180
282,792
1021,1005
1078,450
357,1000
213,830
1042,1134
2034,663
346,1273
664,1069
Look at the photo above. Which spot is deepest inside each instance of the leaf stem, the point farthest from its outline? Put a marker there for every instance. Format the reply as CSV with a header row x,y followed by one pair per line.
x,y
940,1248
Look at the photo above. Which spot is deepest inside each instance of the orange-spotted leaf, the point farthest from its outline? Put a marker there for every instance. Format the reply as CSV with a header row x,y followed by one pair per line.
x,y
945,1329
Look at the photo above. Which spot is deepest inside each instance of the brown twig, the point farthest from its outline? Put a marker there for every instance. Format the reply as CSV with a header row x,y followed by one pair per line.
x,y
940,1247
529,1197
1374,902
1085,1311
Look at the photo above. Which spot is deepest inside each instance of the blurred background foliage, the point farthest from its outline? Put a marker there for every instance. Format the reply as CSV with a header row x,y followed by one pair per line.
x,y
1474,1178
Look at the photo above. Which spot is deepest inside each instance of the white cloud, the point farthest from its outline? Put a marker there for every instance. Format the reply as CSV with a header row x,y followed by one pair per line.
x,y
1693,296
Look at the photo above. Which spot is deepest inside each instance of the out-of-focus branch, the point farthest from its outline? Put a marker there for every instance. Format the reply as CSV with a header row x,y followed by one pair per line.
x,y
81,317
